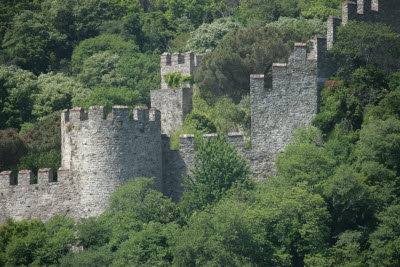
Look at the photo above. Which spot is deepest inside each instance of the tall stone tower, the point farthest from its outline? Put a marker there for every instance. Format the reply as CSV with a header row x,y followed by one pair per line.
x,y
103,153
175,103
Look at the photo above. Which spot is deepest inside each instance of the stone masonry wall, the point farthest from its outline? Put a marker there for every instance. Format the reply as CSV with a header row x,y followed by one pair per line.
x,y
186,64
174,104
108,152
42,200
99,154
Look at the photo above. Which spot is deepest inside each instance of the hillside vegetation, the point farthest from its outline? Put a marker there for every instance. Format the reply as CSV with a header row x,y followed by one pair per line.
x,y
335,199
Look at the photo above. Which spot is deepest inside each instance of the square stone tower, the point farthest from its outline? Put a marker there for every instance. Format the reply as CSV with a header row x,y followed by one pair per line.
x,y
175,103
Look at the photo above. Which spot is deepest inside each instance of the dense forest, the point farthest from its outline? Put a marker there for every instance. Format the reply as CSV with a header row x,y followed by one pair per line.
x,y
335,198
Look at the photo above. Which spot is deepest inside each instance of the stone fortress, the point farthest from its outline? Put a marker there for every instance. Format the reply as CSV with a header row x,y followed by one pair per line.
x,y
100,153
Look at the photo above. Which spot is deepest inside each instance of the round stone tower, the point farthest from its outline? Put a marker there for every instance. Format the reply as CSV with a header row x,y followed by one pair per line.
x,y
103,153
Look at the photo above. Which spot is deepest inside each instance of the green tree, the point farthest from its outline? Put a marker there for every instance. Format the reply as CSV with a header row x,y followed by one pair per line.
x,y
352,203
293,220
140,200
346,101
112,43
101,70
33,43
361,43
91,232
37,243
304,159
10,8
142,73
385,241
320,9
306,28
379,142
217,168
260,12
111,96
157,31
43,140
226,71
208,36
56,92
16,96
12,148
132,206
91,257
148,247
223,236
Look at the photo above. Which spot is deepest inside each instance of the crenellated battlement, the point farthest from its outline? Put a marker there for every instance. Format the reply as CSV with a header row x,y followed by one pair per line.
x,y
119,113
186,64
100,152
26,178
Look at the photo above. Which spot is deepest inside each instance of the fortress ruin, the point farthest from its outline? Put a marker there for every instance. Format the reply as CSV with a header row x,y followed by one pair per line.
x,y
100,153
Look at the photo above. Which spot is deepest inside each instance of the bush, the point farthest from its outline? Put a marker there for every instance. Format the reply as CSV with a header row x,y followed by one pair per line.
x,y
217,168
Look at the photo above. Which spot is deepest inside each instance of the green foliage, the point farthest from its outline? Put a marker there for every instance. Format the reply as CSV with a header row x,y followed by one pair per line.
x,y
91,232
208,36
175,79
142,73
113,43
352,202
56,92
43,140
111,96
379,142
222,237
258,12
8,9
304,159
139,200
226,71
16,96
101,70
200,122
91,257
291,219
11,149
306,28
197,12
217,168
361,43
131,207
36,243
34,44
157,31
320,9
148,247
345,100
385,241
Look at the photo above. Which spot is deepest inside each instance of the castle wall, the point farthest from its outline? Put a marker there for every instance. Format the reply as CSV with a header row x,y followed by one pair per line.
x,y
41,200
276,112
179,163
186,64
108,152
174,105
100,154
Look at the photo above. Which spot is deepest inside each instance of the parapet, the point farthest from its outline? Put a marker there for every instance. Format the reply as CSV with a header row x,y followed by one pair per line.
x,y
188,58
332,27
186,64
363,6
186,141
26,177
118,113
349,11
